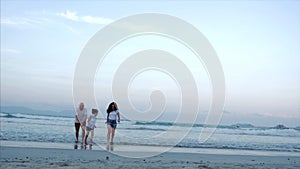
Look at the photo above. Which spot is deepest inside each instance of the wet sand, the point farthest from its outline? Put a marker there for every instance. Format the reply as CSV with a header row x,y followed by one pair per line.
x,y
58,156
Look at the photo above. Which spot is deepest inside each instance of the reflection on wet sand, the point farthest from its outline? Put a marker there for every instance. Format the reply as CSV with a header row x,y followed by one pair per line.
x,y
109,147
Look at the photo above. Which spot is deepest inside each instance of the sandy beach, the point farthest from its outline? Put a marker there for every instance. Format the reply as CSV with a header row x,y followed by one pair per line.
x,y
58,156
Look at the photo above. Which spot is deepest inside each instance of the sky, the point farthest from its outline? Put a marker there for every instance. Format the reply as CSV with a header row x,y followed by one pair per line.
x,y
257,43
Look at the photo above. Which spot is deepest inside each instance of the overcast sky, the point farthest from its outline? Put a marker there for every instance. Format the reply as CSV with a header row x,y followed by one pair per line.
x,y
257,44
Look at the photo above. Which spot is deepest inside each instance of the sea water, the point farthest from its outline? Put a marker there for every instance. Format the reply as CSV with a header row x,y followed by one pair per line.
x,y
43,128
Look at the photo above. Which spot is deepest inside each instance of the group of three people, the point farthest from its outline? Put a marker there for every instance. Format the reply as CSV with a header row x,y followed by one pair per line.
x,y
113,116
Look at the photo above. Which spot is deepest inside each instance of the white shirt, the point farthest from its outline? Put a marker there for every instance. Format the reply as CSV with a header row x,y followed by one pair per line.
x,y
82,114
113,115
92,122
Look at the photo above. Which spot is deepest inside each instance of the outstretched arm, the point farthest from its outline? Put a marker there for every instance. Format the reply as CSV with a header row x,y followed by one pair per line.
x,y
106,118
119,119
89,119
85,117
76,116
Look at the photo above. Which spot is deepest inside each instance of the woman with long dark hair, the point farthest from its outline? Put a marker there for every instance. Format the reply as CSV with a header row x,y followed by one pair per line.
x,y
112,116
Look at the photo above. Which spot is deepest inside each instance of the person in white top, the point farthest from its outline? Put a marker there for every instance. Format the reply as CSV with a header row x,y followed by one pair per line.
x,y
80,121
111,121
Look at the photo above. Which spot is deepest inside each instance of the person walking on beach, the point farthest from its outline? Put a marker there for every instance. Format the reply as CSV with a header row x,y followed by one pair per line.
x,y
111,121
90,127
80,121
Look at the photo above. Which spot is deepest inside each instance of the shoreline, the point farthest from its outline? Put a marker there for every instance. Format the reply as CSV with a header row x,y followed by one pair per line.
x,y
61,156
139,148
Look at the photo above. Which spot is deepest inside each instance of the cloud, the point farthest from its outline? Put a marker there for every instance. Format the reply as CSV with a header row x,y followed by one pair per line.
x,y
71,15
14,21
45,20
96,20
9,50
23,21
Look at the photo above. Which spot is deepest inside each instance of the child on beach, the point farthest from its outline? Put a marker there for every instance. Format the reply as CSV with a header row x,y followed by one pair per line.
x,y
90,127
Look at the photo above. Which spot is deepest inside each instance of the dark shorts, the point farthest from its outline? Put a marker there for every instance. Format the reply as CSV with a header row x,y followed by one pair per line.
x,y
77,125
89,128
112,123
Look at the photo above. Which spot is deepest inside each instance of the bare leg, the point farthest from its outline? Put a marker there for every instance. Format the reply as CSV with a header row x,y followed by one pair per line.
x,y
92,137
83,133
109,128
113,135
86,136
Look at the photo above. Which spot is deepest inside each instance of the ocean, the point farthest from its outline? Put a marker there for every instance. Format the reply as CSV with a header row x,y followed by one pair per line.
x,y
58,129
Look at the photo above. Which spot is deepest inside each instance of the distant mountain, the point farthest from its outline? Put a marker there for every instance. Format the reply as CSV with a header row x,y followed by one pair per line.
x,y
297,128
26,110
280,126
258,120
242,125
